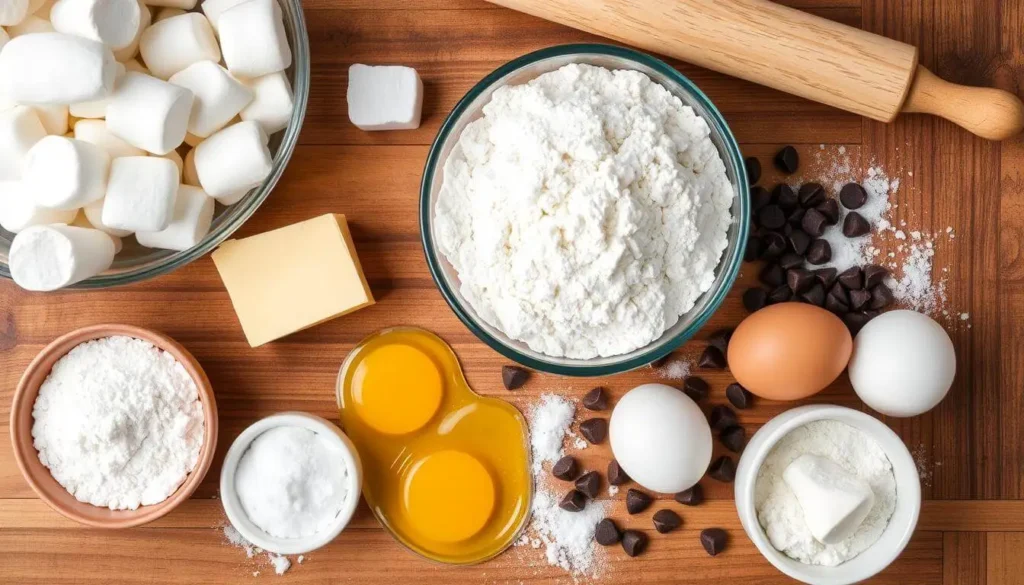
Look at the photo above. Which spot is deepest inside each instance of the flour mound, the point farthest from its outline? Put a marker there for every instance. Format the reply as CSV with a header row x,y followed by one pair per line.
x,y
585,212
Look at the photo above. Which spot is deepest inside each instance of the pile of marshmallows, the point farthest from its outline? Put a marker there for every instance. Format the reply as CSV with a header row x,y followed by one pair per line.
x,y
134,87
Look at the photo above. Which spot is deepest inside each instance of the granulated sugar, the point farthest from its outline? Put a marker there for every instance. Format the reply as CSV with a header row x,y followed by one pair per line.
x,y
914,287
550,421
675,369
280,563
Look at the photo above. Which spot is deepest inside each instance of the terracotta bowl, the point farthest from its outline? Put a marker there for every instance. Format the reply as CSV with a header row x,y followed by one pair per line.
x,y
39,476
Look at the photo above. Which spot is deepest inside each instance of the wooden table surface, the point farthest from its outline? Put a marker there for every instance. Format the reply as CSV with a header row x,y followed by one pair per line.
x,y
970,449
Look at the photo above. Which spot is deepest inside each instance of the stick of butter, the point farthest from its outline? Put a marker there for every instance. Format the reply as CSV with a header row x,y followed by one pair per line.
x,y
293,278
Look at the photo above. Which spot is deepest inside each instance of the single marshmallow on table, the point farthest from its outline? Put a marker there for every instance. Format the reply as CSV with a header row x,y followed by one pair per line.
x,y
96,108
53,118
384,98
64,173
13,11
140,193
49,257
145,20
167,12
96,132
193,214
20,130
253,39
834,502
214,8
149,113
93,213
111,22
233,160
219,97
171,45
56,69
272,102
31,25
19,211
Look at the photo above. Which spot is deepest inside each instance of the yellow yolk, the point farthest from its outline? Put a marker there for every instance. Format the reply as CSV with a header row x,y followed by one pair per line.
x,y
449,496
396,389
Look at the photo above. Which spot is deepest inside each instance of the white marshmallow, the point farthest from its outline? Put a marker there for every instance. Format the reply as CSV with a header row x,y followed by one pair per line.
x,y
272,103
834,501
140,193
56,69
193,214
219,97
53,118
97,108
111,22
149,113
232,160
13,11
82,220
96,132
134,65
175,158
93,214
384,98
253,39
49,257
214,8
63,173
165,13
19,211
20,130
179,4
171,45
31,25
145,19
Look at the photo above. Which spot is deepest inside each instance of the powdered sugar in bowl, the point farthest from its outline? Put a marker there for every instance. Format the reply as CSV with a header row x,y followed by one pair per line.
x,y
612,195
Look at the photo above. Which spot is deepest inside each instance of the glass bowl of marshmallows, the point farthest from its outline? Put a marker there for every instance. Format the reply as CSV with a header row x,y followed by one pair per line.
x,y
141,135
584,209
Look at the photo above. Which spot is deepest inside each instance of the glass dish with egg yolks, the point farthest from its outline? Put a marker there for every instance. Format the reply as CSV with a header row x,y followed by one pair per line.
x,y
446,471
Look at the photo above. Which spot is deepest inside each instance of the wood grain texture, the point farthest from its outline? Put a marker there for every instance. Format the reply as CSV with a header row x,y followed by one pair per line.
x,y
970,450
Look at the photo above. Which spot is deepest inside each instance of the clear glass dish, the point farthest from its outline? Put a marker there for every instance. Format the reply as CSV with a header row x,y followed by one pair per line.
x,y
136,263
521,71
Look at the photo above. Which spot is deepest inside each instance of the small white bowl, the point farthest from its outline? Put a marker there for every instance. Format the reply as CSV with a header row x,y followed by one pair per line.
x,y
233,507
895,536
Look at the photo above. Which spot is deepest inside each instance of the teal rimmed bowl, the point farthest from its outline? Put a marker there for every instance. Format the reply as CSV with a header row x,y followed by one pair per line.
x,y
521,71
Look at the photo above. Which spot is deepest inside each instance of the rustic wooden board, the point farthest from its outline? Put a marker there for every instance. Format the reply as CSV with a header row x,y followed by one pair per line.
x,y
971,448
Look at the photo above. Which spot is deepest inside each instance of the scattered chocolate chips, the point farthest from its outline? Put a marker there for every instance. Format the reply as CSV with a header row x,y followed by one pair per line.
x,y
780,294
855,225
720,339
616,476
772,275
723,469
691,497
607,533
852,278
513,377
734,438
594,430
812,195
589,484
799,280
830,209
814,223
634,542
874,275
839,293
834,305
565,468
721,417
739,396
771,217
713,540
755,249
596,399
881,297
713,358
814,295
785,196
759,197
790,260
853,196
774,245
755,299
859,299
798,242
819,252
637,501
787,160
827,276
753,166
855,321
574,501
666,521
696,388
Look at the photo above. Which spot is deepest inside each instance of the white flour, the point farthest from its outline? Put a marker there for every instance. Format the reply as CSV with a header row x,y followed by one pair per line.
x,y
779,512
585,211
118,423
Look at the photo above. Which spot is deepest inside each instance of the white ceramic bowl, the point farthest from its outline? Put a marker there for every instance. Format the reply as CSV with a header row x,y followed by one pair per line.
x,y
896,535
233,507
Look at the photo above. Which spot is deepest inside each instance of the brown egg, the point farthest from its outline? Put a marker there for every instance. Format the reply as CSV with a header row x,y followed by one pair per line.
x,y
789,351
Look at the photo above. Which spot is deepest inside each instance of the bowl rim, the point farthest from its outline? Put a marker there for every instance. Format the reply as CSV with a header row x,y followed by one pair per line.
x,y
908,486
38,476
731,263
233,506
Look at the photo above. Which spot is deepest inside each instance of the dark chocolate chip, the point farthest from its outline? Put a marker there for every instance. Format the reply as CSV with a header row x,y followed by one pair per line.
x,y
759,197
771,217
691,497
859,299
713,540
596,399
798,242
853,196
637,501
574,501
772,275
814,295
852,278
839,293
634,542
666,521
785,197
755,249
594,430
835,305
723,469
734,438
696,388
799,280
790,260
812,195
616,475
753,166
819,252
787,160
589,484
713,358
855,226
755,299
814,223
739,396
565,468
855,321
830,209
780,294
874,275
607,533
720,339
796,217
881,297
774,245
513,377
721,417
827,276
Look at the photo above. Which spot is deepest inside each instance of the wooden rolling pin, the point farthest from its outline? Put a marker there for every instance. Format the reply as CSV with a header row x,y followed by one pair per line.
x,y
792,51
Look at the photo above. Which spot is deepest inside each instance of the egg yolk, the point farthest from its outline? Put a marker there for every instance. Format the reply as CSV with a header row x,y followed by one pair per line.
x,y
448,496
396,389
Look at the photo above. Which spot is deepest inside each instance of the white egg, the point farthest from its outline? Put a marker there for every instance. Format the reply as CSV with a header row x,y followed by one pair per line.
x,y
903,363
660,438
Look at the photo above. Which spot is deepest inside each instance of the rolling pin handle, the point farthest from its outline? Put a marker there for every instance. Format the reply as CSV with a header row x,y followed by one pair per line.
x,y
990,113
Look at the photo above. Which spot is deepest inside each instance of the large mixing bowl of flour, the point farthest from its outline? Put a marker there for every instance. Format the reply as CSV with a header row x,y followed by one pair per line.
x,y
521,71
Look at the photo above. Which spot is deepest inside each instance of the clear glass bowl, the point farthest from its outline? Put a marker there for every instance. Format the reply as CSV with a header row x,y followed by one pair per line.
x,y
137,263
521,71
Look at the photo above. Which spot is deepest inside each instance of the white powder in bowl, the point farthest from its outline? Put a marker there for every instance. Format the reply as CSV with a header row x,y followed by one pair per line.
x,y
585,212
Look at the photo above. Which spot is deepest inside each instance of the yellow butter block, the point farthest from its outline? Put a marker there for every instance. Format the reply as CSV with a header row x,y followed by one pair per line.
x,y
293,278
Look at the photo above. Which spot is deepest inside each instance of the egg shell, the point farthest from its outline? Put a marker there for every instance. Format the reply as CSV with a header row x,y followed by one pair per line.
x,y
789,351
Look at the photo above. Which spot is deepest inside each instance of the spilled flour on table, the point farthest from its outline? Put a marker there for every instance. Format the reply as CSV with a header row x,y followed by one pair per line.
x,y
280,563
